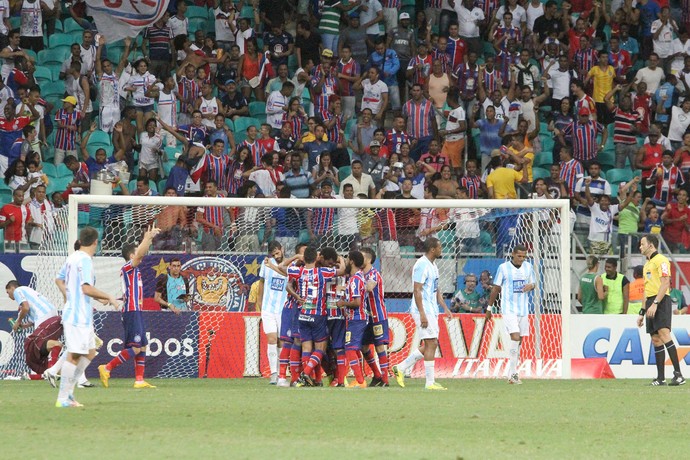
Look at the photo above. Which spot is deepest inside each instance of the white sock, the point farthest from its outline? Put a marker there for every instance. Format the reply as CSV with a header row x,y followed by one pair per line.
x,y
514,353
57,367
82,364
411,360
273,357
67,381
429,372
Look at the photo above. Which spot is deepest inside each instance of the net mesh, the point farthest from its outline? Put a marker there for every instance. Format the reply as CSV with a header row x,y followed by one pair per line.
x,y
221,250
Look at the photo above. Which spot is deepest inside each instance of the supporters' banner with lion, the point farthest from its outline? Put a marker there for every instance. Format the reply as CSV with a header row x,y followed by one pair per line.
x,y
117,19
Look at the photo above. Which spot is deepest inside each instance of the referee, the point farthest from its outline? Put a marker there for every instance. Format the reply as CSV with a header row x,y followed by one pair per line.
x,y
657,309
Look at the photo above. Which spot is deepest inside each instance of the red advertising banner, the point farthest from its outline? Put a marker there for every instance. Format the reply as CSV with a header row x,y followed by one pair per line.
x,y
234,346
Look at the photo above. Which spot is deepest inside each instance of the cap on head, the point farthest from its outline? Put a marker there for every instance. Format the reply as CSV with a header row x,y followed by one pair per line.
x,y
583,112
404,16
327,53
70,99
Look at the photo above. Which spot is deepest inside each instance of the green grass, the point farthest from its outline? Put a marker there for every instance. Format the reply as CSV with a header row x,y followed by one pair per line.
x,y
480,419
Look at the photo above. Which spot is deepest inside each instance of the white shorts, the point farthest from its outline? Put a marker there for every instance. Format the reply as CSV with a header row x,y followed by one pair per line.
x,y
108,116
270,322
79,339
514,323
429,332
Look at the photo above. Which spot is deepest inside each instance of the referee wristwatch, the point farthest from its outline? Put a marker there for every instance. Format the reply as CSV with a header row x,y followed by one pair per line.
x,y
656,302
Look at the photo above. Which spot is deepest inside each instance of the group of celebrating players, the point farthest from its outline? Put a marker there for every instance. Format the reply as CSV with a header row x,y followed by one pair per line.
x,y
326,312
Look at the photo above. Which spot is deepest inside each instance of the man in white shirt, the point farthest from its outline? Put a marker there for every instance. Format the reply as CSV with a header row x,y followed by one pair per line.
x,y
662,33
559,78
469,19
361,183
374,94
652,75
276,105
225,24
370,14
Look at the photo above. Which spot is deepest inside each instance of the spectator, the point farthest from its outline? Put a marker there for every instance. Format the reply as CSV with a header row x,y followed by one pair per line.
x,y
324,170
225,24
676,219
296,179
266,178
212,220
42,218
172,290
348,228
666,179
650,75
320,220
617,289
647,159
354,37
31,26
17,178
489,140
591,293
277,105
434,157
630,218
467,300
249,221
680,121
431,220
307,44
15,217
636,291
602,213
363,134
174,230
624,128
472,181
362,183
584,134
501,182
240,169
374,94
279,43
371,13
421,121
447,187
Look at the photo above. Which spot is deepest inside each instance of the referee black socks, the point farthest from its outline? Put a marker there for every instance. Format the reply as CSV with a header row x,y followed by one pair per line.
x,y
673,354
659,356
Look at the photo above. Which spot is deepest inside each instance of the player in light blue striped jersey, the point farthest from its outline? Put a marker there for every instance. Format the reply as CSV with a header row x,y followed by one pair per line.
x,y
76,282
272,297
34,307
514,280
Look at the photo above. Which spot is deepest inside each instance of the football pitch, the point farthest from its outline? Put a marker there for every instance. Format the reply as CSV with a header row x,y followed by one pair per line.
x,y
247,418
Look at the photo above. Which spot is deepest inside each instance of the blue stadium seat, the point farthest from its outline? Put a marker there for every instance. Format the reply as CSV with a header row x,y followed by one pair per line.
x,y
257,109
63,171
49,169
53,56
242,123
56,88
344,172
43,74
616,176
540,173
99,137
61,39
197,24
70,25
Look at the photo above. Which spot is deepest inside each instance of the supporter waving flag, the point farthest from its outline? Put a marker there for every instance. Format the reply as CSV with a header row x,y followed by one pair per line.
x,y
125,18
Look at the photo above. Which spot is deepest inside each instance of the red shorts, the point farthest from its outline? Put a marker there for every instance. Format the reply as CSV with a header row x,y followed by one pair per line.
x,y
36,356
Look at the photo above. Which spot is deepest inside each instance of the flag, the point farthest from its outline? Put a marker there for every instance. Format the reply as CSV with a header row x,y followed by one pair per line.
x,y
117,19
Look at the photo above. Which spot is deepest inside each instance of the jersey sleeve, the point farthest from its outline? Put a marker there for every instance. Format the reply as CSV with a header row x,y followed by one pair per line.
x,y
62,274
328,273
531,278
354,290
498,279
86,271
419,274
664,268
294,272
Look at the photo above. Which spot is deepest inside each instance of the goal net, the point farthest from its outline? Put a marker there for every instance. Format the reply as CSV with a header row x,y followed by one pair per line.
x,y
221,244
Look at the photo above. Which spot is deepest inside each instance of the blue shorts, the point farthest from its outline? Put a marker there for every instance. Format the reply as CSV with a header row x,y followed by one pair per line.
x,y
135,329
336,329
288,324
378,333
356,333
313,328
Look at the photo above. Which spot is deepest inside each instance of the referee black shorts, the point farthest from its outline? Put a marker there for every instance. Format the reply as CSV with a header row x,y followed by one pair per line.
x,y
662,316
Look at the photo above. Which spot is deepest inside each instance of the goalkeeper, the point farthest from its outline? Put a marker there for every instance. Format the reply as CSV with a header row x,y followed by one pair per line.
x,y
37,311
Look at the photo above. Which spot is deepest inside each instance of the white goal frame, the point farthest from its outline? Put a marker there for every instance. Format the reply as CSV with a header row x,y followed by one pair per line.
x,y
562,205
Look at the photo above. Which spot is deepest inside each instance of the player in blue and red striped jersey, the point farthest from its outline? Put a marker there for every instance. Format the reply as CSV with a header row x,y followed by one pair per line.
x,y
257,150
324,83
217,165
419,67
456,47
336,319
378,316
133,298
357,316
68,122
313,326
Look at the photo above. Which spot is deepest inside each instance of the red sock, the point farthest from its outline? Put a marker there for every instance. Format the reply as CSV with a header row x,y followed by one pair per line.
x,y
284,359
371,362
306,355
139,366
383,361
342,366
314,361
355,364
318,373
121,357
295,362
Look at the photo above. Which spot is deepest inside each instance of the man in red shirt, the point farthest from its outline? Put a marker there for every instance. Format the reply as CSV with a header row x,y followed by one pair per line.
x,y
434,157
13,218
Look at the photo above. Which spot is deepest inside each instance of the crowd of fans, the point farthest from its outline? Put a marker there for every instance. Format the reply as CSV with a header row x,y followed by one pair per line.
x,y
360,99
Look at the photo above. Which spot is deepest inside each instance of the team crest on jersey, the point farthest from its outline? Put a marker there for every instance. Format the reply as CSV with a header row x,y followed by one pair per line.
x,y
215,283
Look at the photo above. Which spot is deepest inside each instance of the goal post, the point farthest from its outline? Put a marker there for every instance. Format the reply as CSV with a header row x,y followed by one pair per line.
x,y
220,337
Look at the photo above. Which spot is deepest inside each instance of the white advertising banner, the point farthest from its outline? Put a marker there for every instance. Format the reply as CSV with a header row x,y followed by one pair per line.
x,y
627,348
